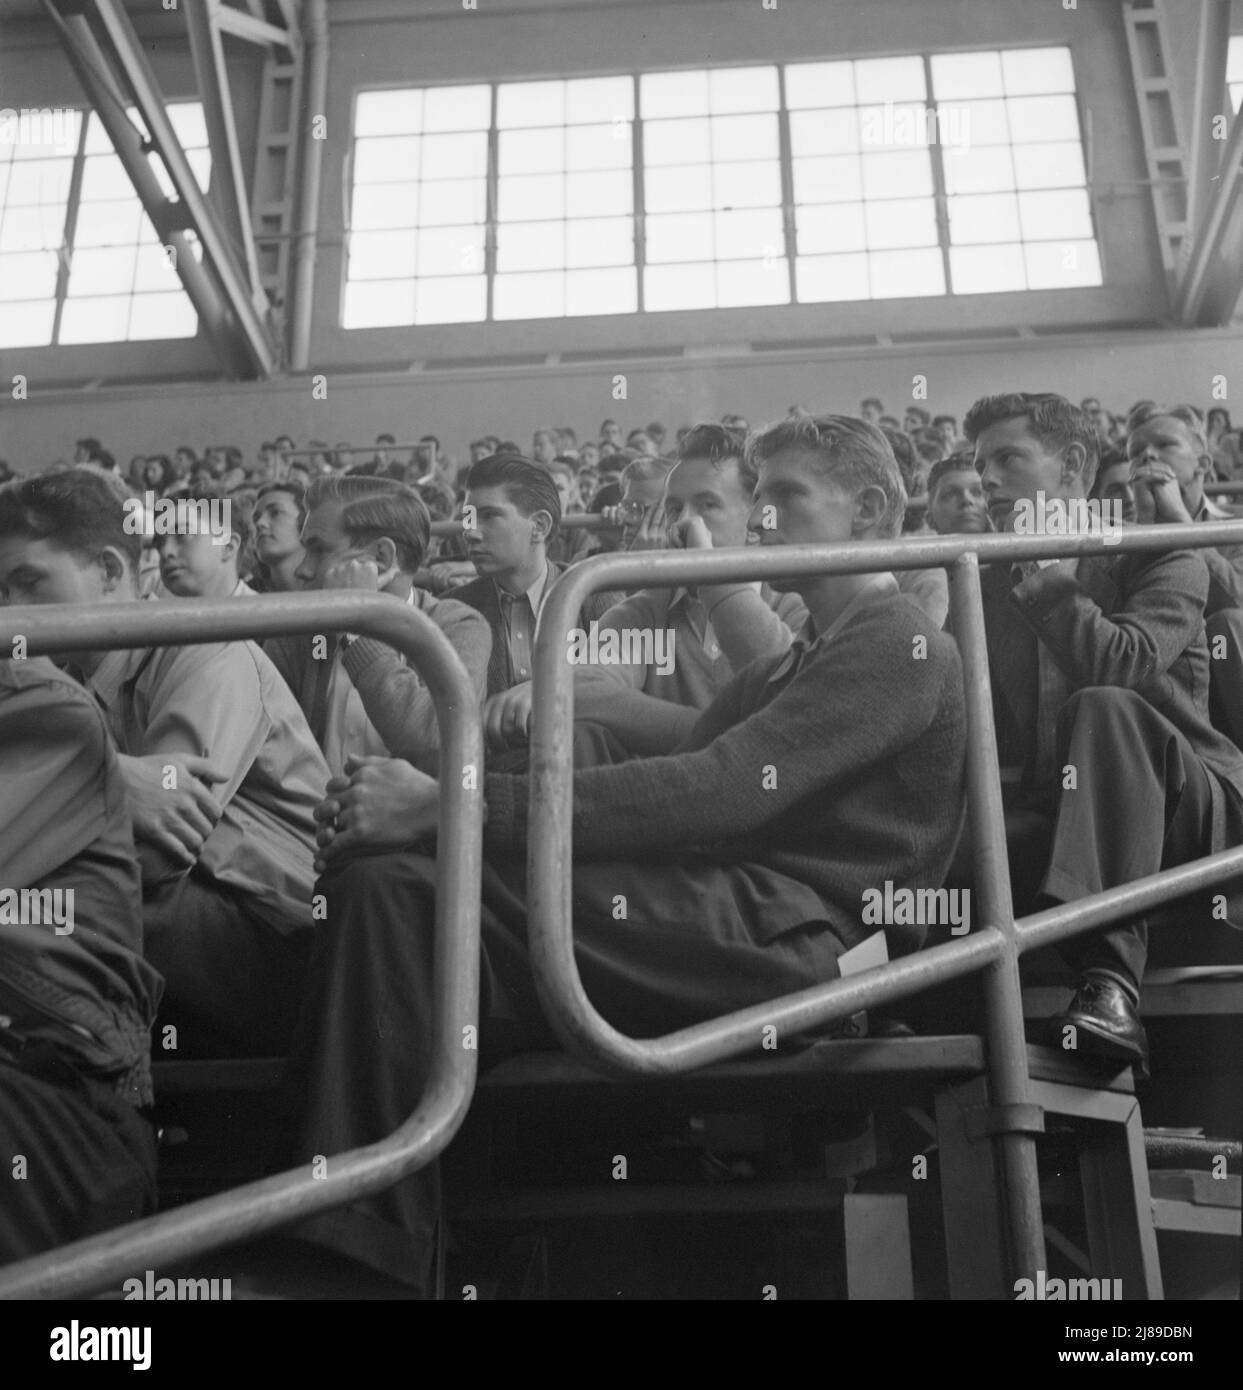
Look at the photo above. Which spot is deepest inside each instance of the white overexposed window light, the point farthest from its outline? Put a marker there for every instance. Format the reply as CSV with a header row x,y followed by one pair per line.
x,y
418,213
714,235
565,198
123,284
1015,182
1234,71
36,173
865,214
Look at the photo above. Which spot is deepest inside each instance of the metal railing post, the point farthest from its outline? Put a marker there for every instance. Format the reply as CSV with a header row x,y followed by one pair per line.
x,y
1010,1083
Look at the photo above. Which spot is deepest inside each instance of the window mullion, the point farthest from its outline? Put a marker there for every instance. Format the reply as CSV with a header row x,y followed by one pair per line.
x,y
71,227
786,155
939,195
640,202
490,235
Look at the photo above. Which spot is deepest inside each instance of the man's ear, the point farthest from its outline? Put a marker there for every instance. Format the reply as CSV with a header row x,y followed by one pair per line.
x,y
1074,459
385,552
117,574
541,525
871,505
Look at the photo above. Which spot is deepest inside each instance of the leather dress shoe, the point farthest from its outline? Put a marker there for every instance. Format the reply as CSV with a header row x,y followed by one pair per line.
x,y
1106,1024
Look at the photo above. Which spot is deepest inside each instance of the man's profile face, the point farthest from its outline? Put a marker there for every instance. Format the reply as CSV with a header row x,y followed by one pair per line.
x,y
40,571
1165,439
610,432
715,493
1114,487
957,508
797,504
502,540
543,447
641,514
947,432
275,522
194,566
324,542
1014,465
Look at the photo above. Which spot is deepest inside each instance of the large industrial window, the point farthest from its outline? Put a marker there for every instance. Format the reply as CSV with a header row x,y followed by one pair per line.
x,y
80,261
719,187
1234,70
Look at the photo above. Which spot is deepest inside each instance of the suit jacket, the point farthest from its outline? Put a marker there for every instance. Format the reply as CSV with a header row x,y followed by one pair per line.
x,y
481,595
1131,621
1225,562
395,699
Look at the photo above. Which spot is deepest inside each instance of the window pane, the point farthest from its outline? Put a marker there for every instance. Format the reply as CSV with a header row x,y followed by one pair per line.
x,y
1063,213
749,234
102,270
1034,119
984,218
906,274
1057,165
457,108
453,200
109,224
742,89
463,299
821,278
454,156
599,99
745,137
534,296
751,185
824,132
532,151
530,246
389,160
32,229
381,255
979,171
983,122
680,237
449,251
530,104
188,123
533,198
819,84
600,241
378,303
903,222
897,175
890,79
677,142
673,94
680,188
387,205
987,269
601,291
752,282
95,320
162,316
598,147
389,113
1037,70
37,181
154,271
679,287
27,323
834,179
966,75
599,195
841,227
28,275
1062,264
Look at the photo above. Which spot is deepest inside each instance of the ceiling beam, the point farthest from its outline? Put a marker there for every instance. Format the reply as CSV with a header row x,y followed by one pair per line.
x,y
252,27
1210,105
1210,287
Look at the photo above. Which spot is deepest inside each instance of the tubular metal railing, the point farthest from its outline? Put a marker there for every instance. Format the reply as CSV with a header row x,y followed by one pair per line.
x,y
571,521
993,949
88,1266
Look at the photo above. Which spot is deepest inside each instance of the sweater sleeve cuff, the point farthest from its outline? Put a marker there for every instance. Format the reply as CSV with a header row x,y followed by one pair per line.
x,y
505,827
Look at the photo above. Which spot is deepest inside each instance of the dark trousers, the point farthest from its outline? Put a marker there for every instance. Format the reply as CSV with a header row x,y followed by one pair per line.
x,y
1143,801
87,1156
684,953
233,982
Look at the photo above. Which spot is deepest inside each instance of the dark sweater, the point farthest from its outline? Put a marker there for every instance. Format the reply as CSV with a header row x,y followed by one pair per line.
x,y
841,774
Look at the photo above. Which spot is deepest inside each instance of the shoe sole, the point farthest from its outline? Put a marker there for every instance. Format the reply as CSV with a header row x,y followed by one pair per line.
x,y
1107,1045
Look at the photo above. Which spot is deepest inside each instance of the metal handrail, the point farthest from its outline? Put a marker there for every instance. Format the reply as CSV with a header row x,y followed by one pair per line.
x,y
571,521
87,1266
993,947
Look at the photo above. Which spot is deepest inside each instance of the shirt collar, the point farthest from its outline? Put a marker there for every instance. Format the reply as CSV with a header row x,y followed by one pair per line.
x,y
534,595
807,639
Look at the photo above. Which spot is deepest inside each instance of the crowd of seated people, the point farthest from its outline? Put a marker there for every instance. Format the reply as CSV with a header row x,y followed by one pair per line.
x,y
253,827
